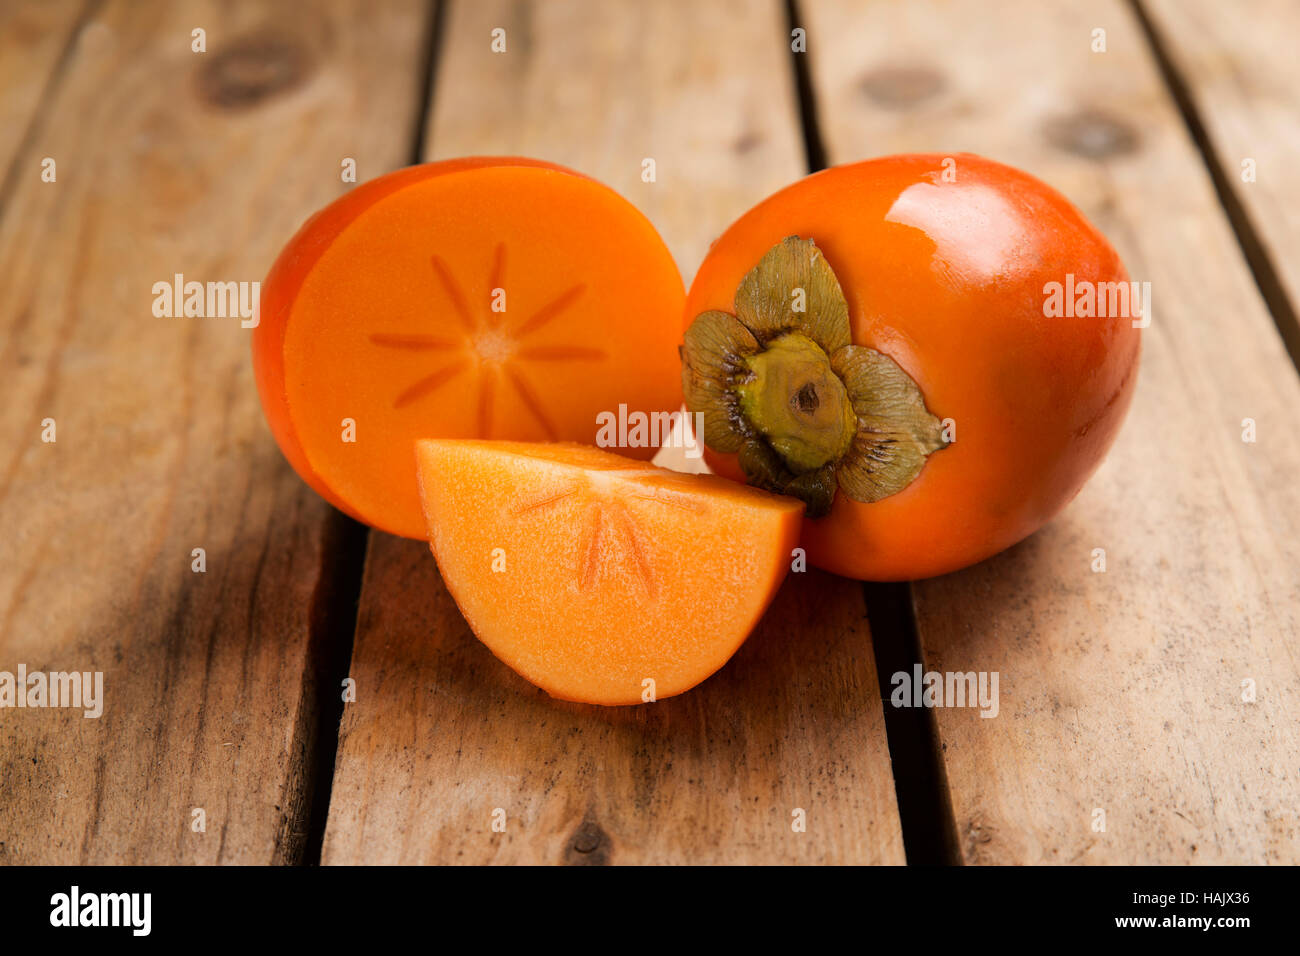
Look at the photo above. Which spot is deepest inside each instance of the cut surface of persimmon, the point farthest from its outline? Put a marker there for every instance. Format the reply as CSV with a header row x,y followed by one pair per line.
x,y
600,578
471,298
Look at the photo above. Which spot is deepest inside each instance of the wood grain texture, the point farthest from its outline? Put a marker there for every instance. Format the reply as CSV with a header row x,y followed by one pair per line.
x,y
1238,66
442,733
705,90
34,38
201,164
1119,690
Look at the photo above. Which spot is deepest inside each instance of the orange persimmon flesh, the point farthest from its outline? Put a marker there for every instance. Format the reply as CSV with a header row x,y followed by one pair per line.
x,y
472,298
591,574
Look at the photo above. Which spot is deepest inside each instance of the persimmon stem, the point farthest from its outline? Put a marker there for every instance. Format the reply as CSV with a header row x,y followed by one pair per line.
x,y
795,401
805,410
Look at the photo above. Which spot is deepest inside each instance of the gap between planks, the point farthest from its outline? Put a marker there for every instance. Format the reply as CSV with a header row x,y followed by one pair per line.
x,y
1249,237
371,813
924,805
348,542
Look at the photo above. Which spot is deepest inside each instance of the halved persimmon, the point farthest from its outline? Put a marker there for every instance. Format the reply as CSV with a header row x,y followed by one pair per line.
x,y
472,298
597,577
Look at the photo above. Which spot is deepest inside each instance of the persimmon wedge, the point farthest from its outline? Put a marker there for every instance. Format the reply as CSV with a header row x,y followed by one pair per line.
x,y
596,577
472,298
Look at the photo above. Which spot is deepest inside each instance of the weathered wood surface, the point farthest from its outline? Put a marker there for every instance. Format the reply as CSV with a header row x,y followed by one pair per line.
x,y
1238,65
1120,691
442,734
170,162
34,37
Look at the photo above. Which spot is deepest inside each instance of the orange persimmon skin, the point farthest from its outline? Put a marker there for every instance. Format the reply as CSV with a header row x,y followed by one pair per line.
x,y
949,280
498,297
600,578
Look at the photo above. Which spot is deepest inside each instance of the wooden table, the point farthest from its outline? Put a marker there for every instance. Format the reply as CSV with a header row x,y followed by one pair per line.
x,y
1158,697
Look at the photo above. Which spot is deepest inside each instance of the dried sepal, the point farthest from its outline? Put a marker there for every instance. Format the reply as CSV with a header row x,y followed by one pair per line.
x,y
713,354
762,466
895,430
794,274
816,489
723,429
780,385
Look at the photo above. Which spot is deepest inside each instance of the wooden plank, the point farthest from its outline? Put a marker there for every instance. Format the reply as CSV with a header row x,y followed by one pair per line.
x,y
442,734
1238,67
203,164
708,94
1120,691
33,40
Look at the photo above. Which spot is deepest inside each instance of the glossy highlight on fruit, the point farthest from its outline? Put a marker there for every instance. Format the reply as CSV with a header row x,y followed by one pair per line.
x,y
600,578
473,298
982,409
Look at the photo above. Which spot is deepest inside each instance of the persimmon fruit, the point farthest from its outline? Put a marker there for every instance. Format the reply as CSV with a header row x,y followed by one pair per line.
x,y
601,578
473,298
885,341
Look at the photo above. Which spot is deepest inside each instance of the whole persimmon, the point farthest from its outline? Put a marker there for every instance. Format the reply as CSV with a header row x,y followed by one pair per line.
x,y
933,352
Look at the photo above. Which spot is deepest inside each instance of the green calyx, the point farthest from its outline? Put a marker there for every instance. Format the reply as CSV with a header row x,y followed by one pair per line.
x,y
796,402
781,385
